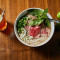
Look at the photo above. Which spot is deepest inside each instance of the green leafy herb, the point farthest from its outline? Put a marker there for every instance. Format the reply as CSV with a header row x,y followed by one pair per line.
x,y
21,23
33,12
36,22
45,11
41,16
47,23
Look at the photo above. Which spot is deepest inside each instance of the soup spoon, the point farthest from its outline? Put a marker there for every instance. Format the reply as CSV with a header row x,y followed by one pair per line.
x,y
54,20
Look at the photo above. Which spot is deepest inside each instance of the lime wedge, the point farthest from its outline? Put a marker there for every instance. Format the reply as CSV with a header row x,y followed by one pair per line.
x,y
58,15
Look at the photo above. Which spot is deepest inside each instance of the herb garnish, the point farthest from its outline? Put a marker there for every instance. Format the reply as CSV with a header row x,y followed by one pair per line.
x,y
41,16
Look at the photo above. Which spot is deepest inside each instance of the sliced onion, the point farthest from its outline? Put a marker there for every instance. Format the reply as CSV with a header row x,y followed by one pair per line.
x,y
23,34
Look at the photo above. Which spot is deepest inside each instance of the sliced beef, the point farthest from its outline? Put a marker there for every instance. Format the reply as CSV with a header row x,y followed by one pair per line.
x,y
43,32
37,36
48,31
34,30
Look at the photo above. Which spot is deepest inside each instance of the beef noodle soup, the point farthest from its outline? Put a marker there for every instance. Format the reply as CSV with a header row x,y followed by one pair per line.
x,y
34,27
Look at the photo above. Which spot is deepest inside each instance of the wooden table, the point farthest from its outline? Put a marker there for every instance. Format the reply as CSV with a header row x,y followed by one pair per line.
x,y
11,48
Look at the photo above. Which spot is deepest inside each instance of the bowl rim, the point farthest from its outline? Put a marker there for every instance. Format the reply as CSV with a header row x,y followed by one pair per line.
x,y
51,34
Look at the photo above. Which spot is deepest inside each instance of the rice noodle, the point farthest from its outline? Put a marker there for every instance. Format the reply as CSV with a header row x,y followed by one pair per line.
x,y
23,33
30,40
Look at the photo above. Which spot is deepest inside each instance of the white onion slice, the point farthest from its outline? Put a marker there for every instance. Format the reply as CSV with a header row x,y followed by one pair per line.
x,y
23,34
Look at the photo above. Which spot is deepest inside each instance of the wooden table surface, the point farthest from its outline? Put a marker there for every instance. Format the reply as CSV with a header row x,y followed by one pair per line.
x,y
11,48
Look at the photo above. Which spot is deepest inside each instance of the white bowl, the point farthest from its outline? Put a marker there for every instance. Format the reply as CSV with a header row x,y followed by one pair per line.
x,y
15,28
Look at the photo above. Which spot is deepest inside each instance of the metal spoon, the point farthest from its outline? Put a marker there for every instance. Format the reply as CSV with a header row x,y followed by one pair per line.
x,y
53,20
